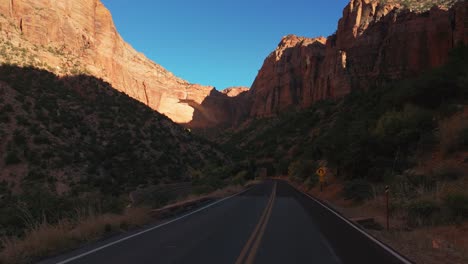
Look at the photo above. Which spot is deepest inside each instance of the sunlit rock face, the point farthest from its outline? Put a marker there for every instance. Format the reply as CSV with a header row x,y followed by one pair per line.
x,y
235,91
374,42
69,37
287,76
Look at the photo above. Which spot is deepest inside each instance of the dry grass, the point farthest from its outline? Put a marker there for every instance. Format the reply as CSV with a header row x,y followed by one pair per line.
x,y
46,239
252,182
220,193
430,245
227,191
425,244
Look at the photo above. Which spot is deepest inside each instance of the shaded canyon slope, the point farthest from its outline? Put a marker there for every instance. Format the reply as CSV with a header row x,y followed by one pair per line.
x,y
69,37
374,42
77,134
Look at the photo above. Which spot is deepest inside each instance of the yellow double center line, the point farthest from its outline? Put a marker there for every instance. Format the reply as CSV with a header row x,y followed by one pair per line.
x,y
254,241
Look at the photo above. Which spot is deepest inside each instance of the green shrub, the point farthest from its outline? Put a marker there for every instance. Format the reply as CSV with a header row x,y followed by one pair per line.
x,y
358,190
41,140
211,180
447,110
457,205
301,169
311,181
160,198
390,123
4,118
421,180
427,141
282,167
240,178
202,189
19,138
422,212
12,158
423,208
21,120
35,175
405,126
7,108
463,138
107,228
447,172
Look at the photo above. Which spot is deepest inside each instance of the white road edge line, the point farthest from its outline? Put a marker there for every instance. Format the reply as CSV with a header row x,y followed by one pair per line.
x,y
387,248
330,248
149,229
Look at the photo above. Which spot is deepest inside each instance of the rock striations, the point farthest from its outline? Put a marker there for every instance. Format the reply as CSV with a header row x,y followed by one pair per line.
x,y
70,37
374,42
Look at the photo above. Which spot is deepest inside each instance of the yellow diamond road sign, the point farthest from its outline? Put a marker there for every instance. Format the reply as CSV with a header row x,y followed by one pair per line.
x,y
321,171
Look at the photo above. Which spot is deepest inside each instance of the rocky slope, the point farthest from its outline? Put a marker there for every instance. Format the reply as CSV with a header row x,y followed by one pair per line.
x,y
375,41
79,128
70,37
69,142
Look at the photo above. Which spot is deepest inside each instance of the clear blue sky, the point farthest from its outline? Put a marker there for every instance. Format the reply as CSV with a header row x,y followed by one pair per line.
x,y
217,42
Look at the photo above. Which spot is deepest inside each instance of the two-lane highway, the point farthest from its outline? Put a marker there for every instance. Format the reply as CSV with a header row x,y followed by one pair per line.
x,y
270,223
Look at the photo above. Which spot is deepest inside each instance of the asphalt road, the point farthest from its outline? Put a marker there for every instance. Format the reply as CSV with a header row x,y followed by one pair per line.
x,y
270,223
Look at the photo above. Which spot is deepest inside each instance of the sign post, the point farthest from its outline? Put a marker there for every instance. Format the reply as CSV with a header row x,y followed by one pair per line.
x,y
321,172
387,191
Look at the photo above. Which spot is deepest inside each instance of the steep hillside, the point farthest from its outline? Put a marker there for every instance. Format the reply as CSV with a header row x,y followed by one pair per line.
x,y
68,141
72,37
361,134
376,41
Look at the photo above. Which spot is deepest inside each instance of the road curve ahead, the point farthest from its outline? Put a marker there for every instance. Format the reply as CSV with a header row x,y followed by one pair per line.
x,y
270,223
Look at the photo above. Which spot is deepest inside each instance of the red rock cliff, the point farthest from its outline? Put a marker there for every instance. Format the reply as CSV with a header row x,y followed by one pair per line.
x,y
288,75
69,36
374,42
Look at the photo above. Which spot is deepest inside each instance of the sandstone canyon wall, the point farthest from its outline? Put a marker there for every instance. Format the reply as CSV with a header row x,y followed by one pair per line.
x,y
374,42
70,37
